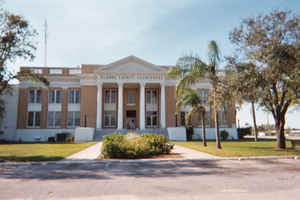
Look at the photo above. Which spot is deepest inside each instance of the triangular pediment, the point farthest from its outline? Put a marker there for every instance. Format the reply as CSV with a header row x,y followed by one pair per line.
x,y
130,64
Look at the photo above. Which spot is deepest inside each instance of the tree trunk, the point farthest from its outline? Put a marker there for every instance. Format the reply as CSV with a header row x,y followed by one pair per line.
x,y
280,132
203,129
254,121
218,142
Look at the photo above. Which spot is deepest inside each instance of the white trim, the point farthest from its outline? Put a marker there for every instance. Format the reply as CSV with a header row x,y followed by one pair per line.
x,y
73,107
120,106
99,106
34,107
142,105
55,71
54,107
163,106
74,71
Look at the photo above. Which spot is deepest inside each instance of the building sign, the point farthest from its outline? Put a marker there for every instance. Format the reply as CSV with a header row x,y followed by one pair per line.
x,y
132,76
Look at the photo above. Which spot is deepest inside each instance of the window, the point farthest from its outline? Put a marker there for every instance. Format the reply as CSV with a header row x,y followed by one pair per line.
x,y
131,98
204,96
73,119
151,96
55,71
55,96
207,119
110,96
182,118
37,71
222,118
74,96
54,119
151,119
34,119
35,96
109,119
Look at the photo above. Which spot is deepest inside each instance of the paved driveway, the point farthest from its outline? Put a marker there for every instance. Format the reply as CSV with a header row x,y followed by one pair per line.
x,y
223,179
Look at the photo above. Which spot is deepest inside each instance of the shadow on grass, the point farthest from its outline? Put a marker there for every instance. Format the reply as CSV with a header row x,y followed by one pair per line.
x,y
29,158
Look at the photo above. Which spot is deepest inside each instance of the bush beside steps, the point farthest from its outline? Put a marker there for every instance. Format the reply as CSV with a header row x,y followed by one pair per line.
x,y
134,145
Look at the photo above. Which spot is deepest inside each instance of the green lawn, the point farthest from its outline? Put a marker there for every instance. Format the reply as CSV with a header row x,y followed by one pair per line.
x,y
40,151
241,148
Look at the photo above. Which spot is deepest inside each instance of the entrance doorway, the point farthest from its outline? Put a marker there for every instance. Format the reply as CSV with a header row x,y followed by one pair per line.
x,y
131,119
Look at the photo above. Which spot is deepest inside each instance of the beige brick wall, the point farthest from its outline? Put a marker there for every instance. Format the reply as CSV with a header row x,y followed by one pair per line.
x,y
44,108
22,108
64,108
171,107
88,106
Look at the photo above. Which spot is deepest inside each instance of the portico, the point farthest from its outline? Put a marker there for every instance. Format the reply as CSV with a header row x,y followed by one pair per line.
x,y
131,95
130,105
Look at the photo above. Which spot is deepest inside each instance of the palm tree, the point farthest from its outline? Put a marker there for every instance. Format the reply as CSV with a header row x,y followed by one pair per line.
x,y
189,97
199,70
214,59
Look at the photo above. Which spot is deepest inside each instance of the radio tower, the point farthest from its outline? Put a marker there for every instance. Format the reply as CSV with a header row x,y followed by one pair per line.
x,y
45,44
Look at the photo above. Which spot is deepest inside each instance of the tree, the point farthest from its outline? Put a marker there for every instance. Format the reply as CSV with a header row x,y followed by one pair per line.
x,y
189,97
271,42
16,42
199,70
243,80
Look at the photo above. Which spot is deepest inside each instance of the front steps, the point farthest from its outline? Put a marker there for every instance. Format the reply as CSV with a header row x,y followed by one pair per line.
x,y
99,133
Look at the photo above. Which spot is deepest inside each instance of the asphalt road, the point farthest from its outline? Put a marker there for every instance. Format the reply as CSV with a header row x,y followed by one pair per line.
x,y
225,179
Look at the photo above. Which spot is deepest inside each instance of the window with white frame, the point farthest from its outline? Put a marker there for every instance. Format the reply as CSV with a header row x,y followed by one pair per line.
x,y
207,119
38,71
110,96
109,119
54,119
151,96
54,96
151,119
73,119
34,96
74,96
204,96
182,118
55,71
131,100
222,118
34,120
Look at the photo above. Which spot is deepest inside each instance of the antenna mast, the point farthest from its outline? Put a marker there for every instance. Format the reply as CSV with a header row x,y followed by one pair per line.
x,y
45,44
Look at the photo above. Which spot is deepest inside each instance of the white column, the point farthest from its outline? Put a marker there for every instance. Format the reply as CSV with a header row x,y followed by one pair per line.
x,y
163,106
142,106
99,106
120,106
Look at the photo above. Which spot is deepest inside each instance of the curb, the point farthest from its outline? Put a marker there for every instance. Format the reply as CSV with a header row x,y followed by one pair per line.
x,y
147,160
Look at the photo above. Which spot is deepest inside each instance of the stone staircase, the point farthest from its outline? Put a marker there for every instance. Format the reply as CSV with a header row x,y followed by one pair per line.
x,y
99,133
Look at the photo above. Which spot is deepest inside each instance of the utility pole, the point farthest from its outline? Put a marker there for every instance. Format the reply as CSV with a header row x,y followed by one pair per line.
x,y
45,42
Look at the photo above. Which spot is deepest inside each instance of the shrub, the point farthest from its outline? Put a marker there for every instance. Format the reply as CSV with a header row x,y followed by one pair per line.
x,y
224,135
51,139
65,137
243,131
133,145
189,133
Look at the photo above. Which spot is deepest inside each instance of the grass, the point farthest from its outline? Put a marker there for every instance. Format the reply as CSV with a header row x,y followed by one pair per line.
x,y
242,148
40,151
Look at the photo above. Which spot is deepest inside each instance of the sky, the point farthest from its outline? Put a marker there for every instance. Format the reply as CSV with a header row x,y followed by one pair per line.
x,y
159,31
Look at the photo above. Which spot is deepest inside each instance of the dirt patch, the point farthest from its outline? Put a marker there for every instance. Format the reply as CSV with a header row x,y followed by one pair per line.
x,y
162,156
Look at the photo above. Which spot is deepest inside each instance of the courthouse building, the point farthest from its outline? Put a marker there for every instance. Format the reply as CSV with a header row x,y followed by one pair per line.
x,y
130,94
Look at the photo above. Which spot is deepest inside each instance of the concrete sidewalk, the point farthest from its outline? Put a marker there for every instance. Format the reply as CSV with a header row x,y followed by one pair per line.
x,y
90,153
188,153
93,152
